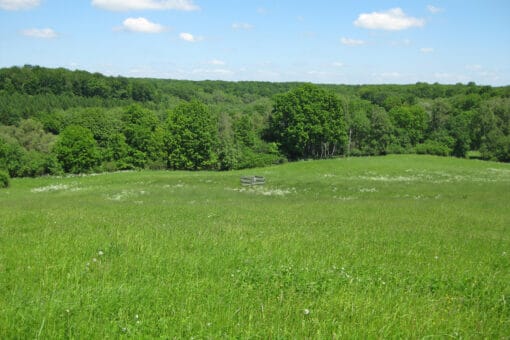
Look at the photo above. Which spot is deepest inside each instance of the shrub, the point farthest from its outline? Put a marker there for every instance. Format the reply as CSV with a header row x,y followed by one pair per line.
x,y
4,179
431,147
394,148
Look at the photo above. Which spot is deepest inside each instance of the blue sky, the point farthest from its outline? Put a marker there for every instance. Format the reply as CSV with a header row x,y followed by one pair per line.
x,y
322,41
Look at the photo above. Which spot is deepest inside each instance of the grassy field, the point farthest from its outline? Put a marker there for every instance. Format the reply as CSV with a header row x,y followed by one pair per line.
x,y
396,246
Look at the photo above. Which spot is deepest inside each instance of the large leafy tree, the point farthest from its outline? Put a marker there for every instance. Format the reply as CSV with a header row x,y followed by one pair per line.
x,y
76,150
308,122
144,134
411,124
381,130
191,137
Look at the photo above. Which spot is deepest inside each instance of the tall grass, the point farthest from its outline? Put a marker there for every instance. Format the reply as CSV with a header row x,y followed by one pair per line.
x,y
397,246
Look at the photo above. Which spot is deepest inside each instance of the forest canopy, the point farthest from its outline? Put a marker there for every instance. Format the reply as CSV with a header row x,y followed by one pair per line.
x,y
55,121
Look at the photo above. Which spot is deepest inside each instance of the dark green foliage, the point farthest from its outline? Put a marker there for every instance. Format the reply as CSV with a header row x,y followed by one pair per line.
x,y
4,179
411,123
191,138
77,150
381,131
458,126
249,123
308,122
432,147
30,135
28,150
144,135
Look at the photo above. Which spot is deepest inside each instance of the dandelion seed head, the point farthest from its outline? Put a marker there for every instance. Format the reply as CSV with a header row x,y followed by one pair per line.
x,y
100,253
306,311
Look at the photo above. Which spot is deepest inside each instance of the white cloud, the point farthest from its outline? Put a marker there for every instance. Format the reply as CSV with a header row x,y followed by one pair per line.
x,y
450,77
41,33
474,67
404,42
391,75
128,5
338,64
352,42
427,50
392,20
316,73
242,26
189,37
262,11
217,72
141,25
434,9
216,62
13,5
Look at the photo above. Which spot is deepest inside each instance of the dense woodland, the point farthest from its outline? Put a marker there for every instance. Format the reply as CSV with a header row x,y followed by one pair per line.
x,y
55,121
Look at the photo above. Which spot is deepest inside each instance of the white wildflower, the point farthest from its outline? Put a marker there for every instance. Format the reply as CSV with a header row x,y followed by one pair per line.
x,y
52,187
368,190
100,253
306,311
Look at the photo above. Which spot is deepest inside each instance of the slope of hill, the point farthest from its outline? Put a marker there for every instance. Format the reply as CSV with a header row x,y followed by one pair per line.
x,y
395,246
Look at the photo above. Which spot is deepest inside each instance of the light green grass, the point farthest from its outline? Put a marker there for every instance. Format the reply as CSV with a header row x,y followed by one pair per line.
x,y
397,246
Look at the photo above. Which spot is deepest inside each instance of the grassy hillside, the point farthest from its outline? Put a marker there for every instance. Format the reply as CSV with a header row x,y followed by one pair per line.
x,y
396,246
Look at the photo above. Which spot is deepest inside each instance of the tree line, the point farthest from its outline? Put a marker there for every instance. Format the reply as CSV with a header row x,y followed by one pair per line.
x,y
55,121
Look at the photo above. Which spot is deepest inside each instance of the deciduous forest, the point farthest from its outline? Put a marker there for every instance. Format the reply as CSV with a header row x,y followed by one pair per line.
x,y
55,121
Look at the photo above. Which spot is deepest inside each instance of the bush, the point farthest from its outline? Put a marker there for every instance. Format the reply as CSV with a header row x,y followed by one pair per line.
x,y
250,159
397,149
431,147
4,179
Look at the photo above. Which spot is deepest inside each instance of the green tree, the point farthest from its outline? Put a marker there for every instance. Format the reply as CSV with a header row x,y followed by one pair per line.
x,y
458,127
191,137
76,150
381,130
144,134
411,124
308,122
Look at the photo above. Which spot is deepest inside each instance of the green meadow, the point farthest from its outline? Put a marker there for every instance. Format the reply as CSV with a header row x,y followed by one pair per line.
x,y
381,247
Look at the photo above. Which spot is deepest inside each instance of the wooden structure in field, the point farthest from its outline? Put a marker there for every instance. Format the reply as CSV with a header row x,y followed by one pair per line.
x,y
253,180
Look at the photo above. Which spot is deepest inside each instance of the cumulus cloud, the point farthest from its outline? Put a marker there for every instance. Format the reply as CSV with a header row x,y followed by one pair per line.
x,y
40,33
242,26
141,25
189,37
14,5
128,5
392,20
426,50
434,9
352,42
